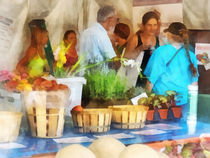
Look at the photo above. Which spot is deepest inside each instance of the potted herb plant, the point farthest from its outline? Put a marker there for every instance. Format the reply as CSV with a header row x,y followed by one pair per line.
x,y
160,103
177,110
157,104
149,102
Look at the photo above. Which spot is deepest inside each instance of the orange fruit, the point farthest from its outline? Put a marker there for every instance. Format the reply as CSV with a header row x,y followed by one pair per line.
x,y
78,108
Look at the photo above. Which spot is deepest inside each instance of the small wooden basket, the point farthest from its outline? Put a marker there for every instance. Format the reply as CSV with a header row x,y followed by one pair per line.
x,y
129,116
46,123
92,120
9,125
45,112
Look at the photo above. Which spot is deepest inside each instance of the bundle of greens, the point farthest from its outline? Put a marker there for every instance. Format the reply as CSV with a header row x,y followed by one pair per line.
x,y
104,85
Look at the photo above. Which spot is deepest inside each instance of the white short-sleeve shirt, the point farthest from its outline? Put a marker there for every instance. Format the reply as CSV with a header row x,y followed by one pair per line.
x,y
95,44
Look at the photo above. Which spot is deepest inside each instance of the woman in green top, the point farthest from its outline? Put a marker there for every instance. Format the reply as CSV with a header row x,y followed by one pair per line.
x,y
34,62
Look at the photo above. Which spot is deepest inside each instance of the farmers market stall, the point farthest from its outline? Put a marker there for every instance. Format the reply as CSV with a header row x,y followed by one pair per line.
x,y
47,104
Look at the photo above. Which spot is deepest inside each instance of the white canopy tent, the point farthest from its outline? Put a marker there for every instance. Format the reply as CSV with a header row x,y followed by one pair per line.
x,y
61,15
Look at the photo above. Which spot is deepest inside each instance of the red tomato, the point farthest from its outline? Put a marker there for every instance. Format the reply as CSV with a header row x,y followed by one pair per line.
x,y
78,108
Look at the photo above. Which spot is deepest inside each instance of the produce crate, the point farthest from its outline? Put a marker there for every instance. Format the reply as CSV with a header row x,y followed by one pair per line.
x,y
46,123
9,125
45,112
12,101
129,116
92,120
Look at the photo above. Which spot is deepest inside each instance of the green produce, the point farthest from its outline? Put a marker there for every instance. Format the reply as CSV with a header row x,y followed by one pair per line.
x,y
105,85
142,101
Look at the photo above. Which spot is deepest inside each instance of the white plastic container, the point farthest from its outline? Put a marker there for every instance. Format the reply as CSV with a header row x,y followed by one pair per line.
x,y
75,85
192,102
10,101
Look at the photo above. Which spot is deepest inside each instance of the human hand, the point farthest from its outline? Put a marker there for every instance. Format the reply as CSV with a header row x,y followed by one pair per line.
x,y
158,13
115,63
143,47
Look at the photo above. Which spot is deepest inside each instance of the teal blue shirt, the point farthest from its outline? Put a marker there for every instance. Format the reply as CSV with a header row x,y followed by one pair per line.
x,y
176,76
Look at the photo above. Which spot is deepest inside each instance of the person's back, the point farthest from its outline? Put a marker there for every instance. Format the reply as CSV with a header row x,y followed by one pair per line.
x,y
175,77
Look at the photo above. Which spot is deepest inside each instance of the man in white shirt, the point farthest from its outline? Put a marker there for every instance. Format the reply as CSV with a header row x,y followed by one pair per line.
x,y
95,43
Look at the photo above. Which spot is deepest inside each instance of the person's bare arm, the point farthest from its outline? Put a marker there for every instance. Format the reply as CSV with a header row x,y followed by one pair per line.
x,y
131,51
149,86
22,64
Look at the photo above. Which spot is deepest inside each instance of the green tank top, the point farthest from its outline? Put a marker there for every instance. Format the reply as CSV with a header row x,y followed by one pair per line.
x,y
36,66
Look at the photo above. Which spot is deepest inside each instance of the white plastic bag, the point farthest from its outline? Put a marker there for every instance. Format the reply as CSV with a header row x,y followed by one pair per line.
x,y
131,70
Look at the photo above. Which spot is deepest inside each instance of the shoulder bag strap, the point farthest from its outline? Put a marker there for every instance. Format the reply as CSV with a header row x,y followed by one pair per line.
x,y
174,56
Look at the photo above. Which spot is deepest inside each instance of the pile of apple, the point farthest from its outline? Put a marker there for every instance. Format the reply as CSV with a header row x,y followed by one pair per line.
x,y
41,84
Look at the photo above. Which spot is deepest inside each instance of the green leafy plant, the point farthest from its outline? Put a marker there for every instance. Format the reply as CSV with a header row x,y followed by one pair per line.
x,y
104,85
60,71
157,101
171,97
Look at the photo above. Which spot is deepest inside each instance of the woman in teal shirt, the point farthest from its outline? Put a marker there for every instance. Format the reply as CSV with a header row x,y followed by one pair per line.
x,y
173,66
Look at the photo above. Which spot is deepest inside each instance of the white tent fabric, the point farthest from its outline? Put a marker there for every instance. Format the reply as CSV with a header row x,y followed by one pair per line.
x,y
12,19
196,14
59,15
64,16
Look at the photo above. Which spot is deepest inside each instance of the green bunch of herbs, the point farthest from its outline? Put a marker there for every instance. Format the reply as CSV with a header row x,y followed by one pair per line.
x,y
104,85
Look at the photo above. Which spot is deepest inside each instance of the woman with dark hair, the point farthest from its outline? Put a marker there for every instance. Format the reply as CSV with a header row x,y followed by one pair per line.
x,y
71,54
121,34
68,48
140,46
34,61
173,66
